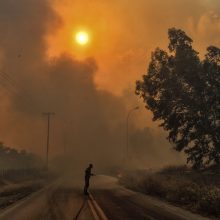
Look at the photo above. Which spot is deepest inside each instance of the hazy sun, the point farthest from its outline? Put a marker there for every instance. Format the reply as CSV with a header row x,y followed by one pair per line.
x,y
82,37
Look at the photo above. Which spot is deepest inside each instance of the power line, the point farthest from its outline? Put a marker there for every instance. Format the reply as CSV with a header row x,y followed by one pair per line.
x,y
13,88
8,85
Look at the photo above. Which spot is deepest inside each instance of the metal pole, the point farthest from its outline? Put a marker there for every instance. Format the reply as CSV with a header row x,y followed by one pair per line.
x,y
48,138
127,130
48,114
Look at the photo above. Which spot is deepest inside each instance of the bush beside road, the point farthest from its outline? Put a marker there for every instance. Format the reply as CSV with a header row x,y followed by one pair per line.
x,y
195,191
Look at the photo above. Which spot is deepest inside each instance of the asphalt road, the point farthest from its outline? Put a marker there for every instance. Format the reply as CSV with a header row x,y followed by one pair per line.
x,y
65,201
60,201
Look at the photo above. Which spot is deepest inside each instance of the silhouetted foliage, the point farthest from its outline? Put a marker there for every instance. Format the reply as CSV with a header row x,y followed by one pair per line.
x,y
11,158
183,92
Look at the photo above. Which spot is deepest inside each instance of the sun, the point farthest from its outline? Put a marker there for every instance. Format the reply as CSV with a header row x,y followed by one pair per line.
x,y
82,37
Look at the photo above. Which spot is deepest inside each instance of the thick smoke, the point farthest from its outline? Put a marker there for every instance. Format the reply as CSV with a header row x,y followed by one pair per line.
x,y
126,32
89,124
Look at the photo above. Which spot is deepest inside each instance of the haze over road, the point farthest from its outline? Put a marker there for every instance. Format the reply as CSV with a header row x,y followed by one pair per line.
x,y
64,200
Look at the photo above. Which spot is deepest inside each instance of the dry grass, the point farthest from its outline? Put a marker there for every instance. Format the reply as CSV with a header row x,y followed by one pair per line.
x,y
12,193
15,187
196,191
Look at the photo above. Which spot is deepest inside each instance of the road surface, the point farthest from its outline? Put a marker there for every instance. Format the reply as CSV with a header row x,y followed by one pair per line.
x,y
65,201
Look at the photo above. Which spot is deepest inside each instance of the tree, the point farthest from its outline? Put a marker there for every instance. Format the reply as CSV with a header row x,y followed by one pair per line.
x,y
183,92
11,158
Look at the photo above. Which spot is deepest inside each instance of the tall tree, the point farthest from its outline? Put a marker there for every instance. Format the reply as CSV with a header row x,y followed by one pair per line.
x,y
183,93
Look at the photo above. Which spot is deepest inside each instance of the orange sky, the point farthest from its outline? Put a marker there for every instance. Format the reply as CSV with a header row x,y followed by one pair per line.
x,y
123,33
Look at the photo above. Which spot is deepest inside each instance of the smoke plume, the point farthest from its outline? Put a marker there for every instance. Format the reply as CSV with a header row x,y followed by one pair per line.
x,y
89,96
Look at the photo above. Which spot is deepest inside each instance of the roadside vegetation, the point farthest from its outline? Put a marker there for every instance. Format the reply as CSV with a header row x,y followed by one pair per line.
x,y
14,191
21,173
182,90
18,184
196,191
12,158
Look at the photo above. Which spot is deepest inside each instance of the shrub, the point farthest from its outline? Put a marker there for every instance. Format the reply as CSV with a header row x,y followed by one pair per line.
x,y
193,190
210,201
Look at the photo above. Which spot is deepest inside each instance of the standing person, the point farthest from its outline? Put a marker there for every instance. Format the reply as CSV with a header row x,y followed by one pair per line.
x,y
88,174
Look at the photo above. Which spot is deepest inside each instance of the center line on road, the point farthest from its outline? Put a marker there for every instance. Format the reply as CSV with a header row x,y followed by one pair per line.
x,y
80,210
97,208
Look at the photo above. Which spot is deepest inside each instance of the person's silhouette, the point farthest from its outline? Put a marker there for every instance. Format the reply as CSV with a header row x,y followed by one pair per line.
x,y
88,174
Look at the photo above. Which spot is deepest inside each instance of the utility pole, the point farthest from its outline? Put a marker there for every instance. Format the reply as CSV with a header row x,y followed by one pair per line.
x,y
48,114
127,131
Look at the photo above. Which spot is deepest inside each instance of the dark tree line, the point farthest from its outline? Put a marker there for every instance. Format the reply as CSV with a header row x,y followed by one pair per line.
x,y
11,158
183,92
